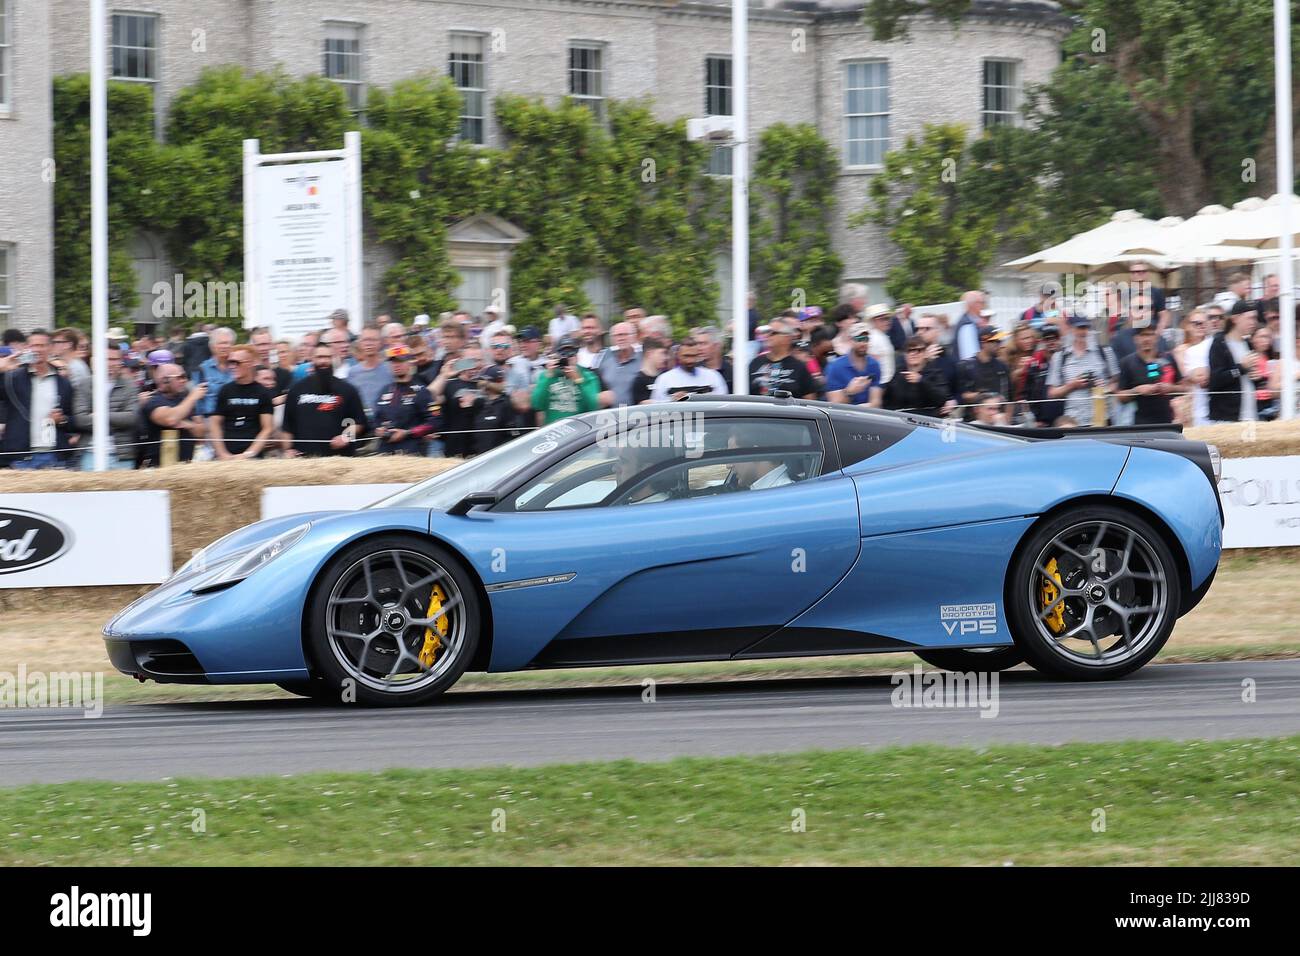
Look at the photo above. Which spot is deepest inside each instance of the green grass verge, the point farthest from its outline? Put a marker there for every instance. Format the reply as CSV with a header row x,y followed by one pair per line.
x,y
119,689
1204,803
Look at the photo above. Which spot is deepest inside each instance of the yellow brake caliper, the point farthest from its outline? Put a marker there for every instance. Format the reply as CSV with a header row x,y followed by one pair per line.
x,y
433,635
1049,593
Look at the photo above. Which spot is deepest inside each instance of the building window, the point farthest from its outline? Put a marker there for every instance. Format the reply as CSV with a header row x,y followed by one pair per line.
x,y
866,112
587,76
6,284
4,56
135,47
341,62
717,102
466,68
1001,93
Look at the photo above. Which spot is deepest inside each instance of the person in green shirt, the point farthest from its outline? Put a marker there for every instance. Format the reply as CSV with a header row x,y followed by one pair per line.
x,y
565,388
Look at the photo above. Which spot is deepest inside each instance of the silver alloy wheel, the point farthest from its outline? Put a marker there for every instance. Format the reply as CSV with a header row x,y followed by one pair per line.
x,y
376,620
1111,593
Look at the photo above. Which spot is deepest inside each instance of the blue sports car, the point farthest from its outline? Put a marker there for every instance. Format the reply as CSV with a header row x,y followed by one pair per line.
x,y
729,528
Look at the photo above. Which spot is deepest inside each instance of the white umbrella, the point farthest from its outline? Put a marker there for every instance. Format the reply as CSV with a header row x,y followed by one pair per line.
x,y
1200,238
1260,228
1102,246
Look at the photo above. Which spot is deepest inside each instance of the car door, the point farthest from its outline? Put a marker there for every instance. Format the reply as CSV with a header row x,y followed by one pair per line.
x,y
655,552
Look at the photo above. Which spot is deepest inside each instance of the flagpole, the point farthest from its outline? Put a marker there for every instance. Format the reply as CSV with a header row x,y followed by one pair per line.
x,y
1285,187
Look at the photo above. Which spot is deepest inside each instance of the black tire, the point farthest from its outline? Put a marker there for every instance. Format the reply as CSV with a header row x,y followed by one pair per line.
x,y
978,660
340,662
1091,594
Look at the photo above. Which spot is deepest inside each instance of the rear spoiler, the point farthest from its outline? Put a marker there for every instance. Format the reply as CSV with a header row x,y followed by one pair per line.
x,y
1111,431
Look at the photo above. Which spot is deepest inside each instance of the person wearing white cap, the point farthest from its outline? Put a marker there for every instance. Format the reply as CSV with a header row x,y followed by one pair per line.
x,y
491,326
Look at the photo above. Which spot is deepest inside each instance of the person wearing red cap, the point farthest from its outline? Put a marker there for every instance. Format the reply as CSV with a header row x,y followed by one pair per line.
x,y
405,413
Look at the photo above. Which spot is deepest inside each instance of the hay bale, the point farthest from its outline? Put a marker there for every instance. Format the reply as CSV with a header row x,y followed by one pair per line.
x,y
211,499
1251,439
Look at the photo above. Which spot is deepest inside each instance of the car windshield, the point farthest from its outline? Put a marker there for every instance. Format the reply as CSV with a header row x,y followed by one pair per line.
x,y
487,470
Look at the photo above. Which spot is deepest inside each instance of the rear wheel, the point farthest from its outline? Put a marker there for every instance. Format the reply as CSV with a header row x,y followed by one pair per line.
x,y
394,620
978,659
1094,594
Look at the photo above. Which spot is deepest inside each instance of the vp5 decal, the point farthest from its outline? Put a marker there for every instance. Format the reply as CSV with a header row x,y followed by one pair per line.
x,y
962,619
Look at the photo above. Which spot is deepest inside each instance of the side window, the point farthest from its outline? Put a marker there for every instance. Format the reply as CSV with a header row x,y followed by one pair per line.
x,y
677,458
736,455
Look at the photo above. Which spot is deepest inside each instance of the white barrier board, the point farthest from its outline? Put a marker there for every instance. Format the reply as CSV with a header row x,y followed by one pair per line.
x,y
85,539
1261,502
300,499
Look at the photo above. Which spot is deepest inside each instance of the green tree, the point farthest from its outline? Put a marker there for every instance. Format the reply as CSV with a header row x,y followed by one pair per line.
x,y
792,199
1197,75
131,150
671,218
201,197
416,180
945,239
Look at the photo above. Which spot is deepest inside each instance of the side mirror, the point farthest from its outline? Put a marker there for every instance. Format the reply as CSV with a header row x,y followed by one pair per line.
x,y
472,500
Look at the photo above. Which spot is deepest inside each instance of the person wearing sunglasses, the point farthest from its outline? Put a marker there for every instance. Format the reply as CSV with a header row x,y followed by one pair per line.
x,y
173,407
244,418
919,387
1140,284
1192,357
778,369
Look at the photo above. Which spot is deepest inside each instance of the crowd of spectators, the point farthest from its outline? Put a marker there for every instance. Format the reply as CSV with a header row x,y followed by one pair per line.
x,y
463,384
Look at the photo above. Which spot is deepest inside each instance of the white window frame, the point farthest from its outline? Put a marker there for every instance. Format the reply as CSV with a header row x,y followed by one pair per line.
x,y
720,157
595,102
8,269
887,113
480,38
990,118
346,31
6,58
155,50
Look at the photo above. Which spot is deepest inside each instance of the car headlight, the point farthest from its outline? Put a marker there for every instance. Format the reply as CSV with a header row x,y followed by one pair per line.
x,y
1216,461
255,558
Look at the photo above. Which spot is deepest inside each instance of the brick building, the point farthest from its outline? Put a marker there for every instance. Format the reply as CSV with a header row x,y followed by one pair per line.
x,y
811,61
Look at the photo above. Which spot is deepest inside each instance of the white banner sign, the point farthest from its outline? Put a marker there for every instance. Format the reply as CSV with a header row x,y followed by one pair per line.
x,y
302,244
1261,502
88,538
300,499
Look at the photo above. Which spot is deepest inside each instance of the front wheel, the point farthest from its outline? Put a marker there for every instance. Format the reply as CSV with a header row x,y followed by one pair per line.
x,y
973,659
393,620
1094,594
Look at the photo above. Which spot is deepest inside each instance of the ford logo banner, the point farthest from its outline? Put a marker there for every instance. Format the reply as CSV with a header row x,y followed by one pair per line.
x,y
29,540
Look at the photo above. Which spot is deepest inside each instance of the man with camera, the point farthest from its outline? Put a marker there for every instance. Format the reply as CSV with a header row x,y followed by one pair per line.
x,y
1082,375
1149,379
565,388
457,389
36,406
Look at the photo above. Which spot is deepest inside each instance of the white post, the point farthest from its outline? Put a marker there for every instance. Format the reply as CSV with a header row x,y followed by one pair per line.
x,y
98,236
352,185
740,198
251,298
1285,186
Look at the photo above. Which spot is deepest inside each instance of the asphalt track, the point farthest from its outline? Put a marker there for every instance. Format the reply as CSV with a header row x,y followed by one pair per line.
x,y
153,741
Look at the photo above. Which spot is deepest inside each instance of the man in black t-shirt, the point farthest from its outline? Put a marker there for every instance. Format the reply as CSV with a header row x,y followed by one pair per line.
x,y
323,415
1149,379
777,369
170,408
241,424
